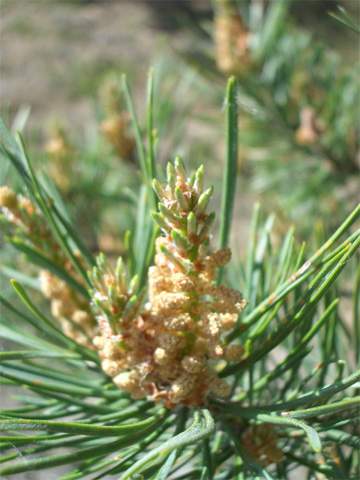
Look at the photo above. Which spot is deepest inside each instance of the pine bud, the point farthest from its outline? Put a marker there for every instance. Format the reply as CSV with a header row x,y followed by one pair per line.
x,y
159,219
182,201
158,188
199,179
168,214
180,168
204,200
191,224
180,240
171,176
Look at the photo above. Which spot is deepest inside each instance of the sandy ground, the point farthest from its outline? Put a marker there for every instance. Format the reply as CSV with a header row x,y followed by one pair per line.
x,y
51,50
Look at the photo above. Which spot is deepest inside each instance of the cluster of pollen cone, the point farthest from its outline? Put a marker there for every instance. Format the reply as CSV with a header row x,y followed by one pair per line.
x,y
168,349
70,308
164,343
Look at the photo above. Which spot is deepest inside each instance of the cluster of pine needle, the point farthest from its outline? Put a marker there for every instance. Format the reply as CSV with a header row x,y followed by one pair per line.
x,y
154,366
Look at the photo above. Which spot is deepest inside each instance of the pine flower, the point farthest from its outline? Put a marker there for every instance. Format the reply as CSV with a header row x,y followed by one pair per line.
x,y
71,311
22,217
115,126
61,154
309,129
116,130
109,95
231,42
8,198
67,306
261,443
